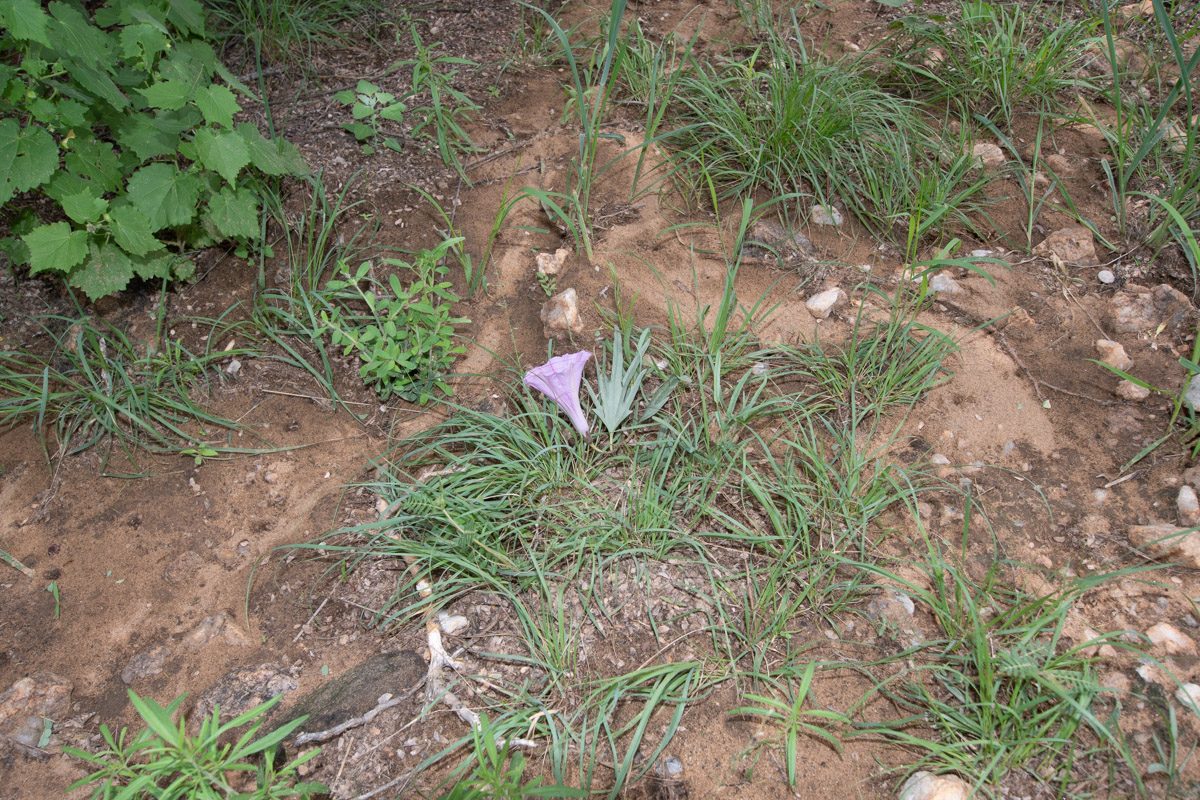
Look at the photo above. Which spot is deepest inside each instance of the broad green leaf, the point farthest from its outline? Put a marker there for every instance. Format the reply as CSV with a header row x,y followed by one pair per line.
x,y
42,110
394,112
31,158
274,157
164,194
186,15
108,270
217,104
56,247
177,122
72,34
25,20
94,160
84,207
170,94
360,131
72,113
63,183
144,136
366,87
224,153
155,265
131,229
143,41
234,212
10,131
345,96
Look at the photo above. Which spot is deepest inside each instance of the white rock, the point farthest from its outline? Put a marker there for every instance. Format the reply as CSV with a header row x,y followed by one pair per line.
x,y
234,367
1192,395
942,282
1113,354
1106,276
927,786
981,253
1189,507
1170,640
560,314
552,263
1129,390
822,304
1189,695
990,156
451,625
825,215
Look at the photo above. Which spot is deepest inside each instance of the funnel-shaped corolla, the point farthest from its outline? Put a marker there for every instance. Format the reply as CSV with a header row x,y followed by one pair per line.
x,y
559,380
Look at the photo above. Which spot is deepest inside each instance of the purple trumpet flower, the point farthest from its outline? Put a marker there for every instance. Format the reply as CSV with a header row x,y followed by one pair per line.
x,y
559,380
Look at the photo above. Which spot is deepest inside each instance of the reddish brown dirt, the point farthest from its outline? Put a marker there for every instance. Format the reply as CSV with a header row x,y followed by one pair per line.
x,y
142,562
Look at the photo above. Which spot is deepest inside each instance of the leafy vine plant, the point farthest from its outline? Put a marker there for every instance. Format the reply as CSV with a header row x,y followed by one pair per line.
x,y
124,119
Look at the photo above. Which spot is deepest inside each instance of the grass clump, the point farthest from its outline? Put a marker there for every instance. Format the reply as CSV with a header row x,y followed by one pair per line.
x,y
96,386
289,32
790,123
1002,691
993,59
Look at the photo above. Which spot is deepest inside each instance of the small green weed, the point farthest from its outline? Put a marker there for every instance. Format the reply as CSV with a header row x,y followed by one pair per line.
x,y
499,773
52,588
794,719
369,105
163,762
405,336
448,108
616,394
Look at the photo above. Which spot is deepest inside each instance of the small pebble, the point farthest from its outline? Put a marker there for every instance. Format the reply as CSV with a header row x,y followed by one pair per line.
x,y
1106,276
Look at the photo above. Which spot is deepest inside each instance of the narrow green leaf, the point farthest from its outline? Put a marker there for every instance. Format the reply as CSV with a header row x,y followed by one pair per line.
x,y
25,20
56,247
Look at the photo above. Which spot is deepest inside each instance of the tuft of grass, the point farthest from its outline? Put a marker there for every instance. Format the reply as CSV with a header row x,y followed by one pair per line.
x,y
290,31
95,386
787,122
1156,149
994,59
1000,692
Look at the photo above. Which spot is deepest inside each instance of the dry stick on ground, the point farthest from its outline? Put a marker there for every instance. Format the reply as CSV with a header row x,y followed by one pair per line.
x,y
437,687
